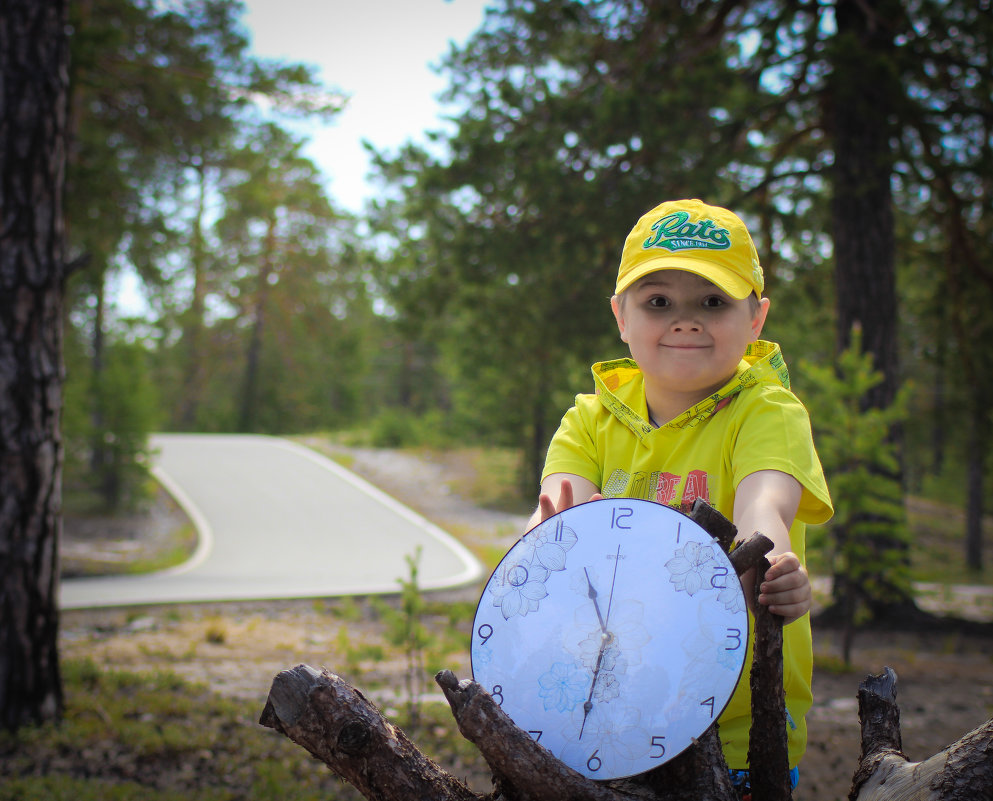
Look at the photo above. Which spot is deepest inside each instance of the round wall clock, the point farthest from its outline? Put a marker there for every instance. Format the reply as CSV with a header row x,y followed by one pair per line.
x,y
614,633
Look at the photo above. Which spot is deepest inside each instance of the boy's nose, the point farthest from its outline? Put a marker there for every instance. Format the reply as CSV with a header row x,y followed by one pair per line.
x,y
686,324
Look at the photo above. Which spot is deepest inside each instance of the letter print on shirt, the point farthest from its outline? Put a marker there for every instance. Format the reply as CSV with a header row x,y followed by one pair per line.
x,y
657,486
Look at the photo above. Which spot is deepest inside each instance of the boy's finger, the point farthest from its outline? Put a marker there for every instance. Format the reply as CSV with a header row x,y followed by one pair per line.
x,y
547,507
783,563
787,581
565,496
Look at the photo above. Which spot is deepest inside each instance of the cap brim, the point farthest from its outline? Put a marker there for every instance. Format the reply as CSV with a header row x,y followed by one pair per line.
x,y
725,279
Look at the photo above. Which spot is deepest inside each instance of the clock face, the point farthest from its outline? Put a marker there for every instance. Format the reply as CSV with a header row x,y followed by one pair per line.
x,y
614,633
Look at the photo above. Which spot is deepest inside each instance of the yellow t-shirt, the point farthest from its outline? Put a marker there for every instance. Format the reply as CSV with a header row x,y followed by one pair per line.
x,y
752,423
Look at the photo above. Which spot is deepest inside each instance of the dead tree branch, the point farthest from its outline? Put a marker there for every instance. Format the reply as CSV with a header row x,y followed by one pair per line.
x,y
334,722
750,553
768,756
961,772
515,758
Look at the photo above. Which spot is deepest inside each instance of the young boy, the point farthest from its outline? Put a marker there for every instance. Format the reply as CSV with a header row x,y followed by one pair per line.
x,y
702,410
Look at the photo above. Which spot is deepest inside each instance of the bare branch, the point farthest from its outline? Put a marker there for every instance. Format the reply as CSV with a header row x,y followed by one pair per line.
x,y
512,754
961,772
714,523
768,755
334,722
750,553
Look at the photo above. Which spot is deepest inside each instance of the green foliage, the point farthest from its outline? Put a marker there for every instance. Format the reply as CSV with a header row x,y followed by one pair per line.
x,y
406,630
167,139
179,739
509,251
869,538
399,428
117,472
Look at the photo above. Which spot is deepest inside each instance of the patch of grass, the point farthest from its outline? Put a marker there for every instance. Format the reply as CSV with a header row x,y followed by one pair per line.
x,y
216,631
182,543
345,608
178,739
937,550
832,664
492,479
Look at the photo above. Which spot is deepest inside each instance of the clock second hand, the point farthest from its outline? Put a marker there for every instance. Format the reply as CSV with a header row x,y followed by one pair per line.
x,y
605,636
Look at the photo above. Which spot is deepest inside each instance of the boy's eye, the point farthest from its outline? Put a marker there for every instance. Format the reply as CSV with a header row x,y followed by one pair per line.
x,y
713,301
658,302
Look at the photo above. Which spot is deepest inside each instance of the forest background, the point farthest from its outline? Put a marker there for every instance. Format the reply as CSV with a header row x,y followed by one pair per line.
x,y
465,305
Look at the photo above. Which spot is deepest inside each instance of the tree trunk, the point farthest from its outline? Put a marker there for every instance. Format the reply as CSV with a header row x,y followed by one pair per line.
x,y
253,356
195,371
862,203
859,115
33,90
975,472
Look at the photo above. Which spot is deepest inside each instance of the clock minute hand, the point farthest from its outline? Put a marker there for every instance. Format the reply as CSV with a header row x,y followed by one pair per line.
x,y
588,704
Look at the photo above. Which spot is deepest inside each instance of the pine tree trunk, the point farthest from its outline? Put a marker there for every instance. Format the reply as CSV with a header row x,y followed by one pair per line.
x,y
975,472
195,370
33,87
858,114
253,355
862,205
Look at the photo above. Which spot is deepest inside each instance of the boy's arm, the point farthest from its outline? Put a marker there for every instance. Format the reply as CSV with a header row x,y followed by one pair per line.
x,y
561,491
767,501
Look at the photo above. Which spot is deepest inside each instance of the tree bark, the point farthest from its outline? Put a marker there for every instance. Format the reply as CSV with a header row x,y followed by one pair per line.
x,y
194,330
859,117
961,772
33,91
248,421
336,724
768,754
862,205
975,473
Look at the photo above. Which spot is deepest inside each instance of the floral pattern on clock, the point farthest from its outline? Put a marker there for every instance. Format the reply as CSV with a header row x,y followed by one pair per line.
x,y
563,687
518,586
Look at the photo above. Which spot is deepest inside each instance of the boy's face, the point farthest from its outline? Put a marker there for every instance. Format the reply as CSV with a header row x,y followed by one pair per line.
x,y
686,335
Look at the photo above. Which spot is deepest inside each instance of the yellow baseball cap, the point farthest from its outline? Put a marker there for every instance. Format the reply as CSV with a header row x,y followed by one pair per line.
x,y
692,236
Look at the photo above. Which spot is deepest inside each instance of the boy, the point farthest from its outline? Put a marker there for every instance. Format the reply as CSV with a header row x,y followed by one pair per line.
x,y
702,410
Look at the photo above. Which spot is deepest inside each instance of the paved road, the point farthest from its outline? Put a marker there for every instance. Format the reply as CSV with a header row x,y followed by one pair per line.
x,y
277,520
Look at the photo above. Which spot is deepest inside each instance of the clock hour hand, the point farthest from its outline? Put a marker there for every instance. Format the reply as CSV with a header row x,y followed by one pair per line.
x,y
592,594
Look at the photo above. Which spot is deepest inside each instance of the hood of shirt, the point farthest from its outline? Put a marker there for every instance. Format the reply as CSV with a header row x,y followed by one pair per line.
x,y
621,390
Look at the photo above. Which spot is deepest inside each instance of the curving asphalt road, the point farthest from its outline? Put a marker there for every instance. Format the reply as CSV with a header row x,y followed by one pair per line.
x,y
277,520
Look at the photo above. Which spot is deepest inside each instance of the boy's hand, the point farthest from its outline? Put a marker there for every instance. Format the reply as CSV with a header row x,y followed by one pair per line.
x,y
569,491
786,589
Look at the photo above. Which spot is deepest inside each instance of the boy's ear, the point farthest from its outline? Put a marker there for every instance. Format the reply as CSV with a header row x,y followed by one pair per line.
x,y
618,309
758,321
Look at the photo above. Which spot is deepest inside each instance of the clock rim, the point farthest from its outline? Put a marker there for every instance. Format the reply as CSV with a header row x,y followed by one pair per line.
x,y
746,640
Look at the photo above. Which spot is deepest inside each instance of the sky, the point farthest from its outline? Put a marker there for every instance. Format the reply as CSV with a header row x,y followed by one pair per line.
x,y
380,53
